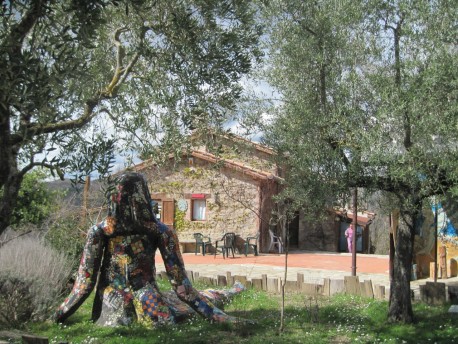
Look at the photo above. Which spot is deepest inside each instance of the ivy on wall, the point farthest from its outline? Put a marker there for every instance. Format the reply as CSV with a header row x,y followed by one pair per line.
x,y
228,209
180,222
193,173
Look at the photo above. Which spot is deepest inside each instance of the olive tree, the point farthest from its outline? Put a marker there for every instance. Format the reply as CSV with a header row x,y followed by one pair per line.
x,y
81,81
368,99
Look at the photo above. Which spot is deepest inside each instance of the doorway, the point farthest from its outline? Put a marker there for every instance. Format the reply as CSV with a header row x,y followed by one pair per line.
x,y
343,240
166,211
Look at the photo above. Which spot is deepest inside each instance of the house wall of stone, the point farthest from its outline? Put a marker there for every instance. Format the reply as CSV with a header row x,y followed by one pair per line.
x,y
268,190
321,236
380,234
232,203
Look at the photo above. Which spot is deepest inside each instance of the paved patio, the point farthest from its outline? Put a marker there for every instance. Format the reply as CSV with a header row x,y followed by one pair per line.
x,y
315,266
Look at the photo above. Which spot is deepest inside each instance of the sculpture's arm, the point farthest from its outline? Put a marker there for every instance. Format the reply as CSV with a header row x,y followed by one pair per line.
x,y
174,265
87,274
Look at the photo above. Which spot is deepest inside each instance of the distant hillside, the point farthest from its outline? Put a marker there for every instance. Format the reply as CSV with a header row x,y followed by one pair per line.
x,y
74,193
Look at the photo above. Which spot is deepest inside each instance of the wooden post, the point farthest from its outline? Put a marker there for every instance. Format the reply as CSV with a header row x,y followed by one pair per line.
x,y
229,278
30,339
264,281
326,287
352,286
300,280
241,279
443,261
222,280
84,209
257,283
433,293
379,292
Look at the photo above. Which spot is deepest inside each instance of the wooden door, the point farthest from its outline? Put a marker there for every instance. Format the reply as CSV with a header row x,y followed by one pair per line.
x,y
168,212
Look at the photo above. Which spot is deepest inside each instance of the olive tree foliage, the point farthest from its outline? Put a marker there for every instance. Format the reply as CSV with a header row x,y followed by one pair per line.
x,y
368,99
81,80
312,54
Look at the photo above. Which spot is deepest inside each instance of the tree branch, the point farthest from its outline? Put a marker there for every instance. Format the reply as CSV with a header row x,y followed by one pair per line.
x,y
33,164
120,75
135,58
119,59
305,27
34,129
121,72
14,238
20,30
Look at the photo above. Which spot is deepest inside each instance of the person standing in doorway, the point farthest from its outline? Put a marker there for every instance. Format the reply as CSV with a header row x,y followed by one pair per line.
x,y
349,236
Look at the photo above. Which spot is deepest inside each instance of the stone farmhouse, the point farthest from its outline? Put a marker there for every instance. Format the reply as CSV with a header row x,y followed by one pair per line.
x,y
229,189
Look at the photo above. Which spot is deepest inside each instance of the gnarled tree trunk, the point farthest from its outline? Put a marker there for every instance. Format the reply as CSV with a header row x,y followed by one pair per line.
x,y
400,309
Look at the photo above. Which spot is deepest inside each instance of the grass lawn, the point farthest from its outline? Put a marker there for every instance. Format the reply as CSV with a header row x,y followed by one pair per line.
x,y
340,319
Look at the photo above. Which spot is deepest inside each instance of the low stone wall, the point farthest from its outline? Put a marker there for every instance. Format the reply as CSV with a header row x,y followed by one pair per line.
x,y
188,246
349,285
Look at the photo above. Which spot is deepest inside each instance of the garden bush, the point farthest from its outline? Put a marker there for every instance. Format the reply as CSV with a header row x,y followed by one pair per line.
x,y
33,278
64,235
15,301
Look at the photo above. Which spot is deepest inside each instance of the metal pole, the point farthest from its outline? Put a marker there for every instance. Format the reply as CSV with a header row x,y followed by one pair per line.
x,y
435,242
355,232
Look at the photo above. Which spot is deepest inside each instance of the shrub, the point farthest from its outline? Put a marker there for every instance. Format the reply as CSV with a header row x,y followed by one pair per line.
x,y
65,236
64,229
15,298
32,278
35,201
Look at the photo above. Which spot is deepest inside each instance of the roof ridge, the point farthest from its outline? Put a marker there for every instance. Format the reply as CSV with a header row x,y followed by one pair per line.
x,y
233,163
235,137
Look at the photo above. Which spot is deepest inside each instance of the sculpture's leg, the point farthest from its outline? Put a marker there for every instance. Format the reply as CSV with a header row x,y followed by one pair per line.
x,y
220,297
151,308
174,266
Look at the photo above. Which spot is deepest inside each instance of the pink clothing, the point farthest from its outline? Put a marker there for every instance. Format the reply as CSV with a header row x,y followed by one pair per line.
x,y
349,236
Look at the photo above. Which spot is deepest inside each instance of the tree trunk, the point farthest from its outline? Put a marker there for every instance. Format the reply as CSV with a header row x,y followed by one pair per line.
x,y
10,177
400,309
9,200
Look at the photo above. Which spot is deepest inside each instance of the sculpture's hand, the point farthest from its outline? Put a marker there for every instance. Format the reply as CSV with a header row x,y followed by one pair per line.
x,y
57,316
225,318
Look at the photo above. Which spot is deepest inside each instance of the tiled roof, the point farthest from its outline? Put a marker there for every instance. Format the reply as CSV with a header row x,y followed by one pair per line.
x,y
363,219
231,164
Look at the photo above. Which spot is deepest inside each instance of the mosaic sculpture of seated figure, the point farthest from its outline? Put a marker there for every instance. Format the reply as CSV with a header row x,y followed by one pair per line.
x,y
121,251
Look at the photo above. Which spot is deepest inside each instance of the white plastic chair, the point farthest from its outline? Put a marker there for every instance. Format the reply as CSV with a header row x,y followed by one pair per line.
x,y
275,242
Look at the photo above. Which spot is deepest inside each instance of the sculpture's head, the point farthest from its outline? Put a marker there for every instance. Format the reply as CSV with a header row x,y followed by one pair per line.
x,y
130,204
